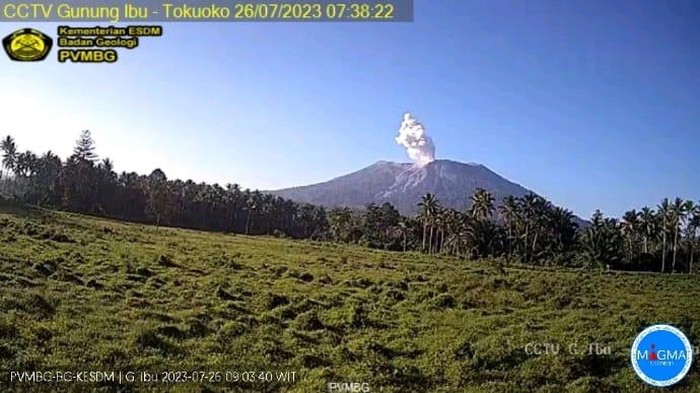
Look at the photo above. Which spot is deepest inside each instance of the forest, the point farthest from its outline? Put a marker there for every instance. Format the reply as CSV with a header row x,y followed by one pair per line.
x,y
524,230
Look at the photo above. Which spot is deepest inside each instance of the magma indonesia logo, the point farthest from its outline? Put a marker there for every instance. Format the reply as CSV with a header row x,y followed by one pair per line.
x,y
27,45
661,355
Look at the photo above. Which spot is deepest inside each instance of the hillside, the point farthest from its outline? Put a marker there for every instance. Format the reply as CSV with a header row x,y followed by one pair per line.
x,y
404,184
80,293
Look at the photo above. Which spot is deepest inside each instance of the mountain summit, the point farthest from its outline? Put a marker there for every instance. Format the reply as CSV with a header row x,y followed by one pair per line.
x,y
403,185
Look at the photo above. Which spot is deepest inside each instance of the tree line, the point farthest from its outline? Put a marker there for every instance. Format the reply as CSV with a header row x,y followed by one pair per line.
x,y
527,229
85,184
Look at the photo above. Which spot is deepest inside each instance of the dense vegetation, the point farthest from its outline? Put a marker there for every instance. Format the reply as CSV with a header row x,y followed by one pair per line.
x,y
528,230
82,293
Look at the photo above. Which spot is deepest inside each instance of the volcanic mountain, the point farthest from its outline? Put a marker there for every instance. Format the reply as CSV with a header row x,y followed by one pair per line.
x,y
404,184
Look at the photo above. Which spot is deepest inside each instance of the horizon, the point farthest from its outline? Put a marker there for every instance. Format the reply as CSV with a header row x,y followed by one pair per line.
x,y
591,105
243,186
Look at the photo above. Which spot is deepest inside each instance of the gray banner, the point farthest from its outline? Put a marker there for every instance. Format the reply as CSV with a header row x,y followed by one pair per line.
x,y
207,11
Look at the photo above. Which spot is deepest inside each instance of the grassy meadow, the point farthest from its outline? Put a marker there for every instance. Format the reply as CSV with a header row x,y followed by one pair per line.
x,y
80,293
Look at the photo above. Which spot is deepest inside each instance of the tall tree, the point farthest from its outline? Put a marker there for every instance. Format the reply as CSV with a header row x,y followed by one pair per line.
x,y
679,211
531,206
648,225
664,212
510,213
482,204
251,206
344,225
455,230
562,230
157,195
602,241
404,229
44,189
85,147
440,222
428,208
630,227
693,226
9,154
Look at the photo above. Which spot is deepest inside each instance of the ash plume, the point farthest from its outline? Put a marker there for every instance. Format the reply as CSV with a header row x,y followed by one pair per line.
x,y
415,139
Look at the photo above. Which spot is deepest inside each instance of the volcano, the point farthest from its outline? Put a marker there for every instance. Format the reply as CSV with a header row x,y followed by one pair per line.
x,y
403,185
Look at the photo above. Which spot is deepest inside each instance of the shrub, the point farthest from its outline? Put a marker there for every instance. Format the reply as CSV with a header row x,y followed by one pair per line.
x,y
166,261
274,300
359,316
171,331
444,300
308,321
306,277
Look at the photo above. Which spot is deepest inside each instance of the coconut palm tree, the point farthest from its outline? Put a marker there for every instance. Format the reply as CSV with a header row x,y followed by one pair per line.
x,y
428,208
648,225
602,241
157,195
693,226
9,153
403,229
451,220
664,212
9,156
459,238
510,213
440,223
250,206
482,204
679,211
531,209
562,228
630,226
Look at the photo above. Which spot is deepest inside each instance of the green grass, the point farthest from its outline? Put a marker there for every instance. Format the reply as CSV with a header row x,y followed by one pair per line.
x,y
79,293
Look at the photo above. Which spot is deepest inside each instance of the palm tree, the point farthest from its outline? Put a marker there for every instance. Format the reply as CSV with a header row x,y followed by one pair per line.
x,y
539,219
451,222
107,165
341,220
442,221
46,183
562,229
530,209
648,225
9,156
482,204
483,237
679,211
403,229
510,213
664,212
234,195
428,207
157,195
630,227
693,225
251,206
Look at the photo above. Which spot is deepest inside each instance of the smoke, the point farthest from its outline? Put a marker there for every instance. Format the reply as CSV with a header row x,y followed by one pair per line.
x,y
415,139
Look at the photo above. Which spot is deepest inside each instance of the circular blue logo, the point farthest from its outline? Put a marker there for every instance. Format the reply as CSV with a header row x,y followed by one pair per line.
x,y
661,355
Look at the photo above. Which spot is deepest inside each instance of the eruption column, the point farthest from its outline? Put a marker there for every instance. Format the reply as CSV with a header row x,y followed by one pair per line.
x,y
415,139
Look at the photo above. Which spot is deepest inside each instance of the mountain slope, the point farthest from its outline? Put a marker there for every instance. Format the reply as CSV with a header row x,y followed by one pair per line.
x,y
403,184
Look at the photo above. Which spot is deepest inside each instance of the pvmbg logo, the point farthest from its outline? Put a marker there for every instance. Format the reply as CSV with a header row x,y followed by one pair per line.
x,y
661,355
27,45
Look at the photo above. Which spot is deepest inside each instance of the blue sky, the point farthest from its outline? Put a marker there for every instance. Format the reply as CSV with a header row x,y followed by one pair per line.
x,y
593,104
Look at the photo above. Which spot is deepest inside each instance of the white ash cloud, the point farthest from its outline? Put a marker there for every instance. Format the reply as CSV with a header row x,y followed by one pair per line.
x,y
413,136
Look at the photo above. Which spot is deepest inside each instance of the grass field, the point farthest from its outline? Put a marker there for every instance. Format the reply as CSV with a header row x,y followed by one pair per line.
x,y
80,293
